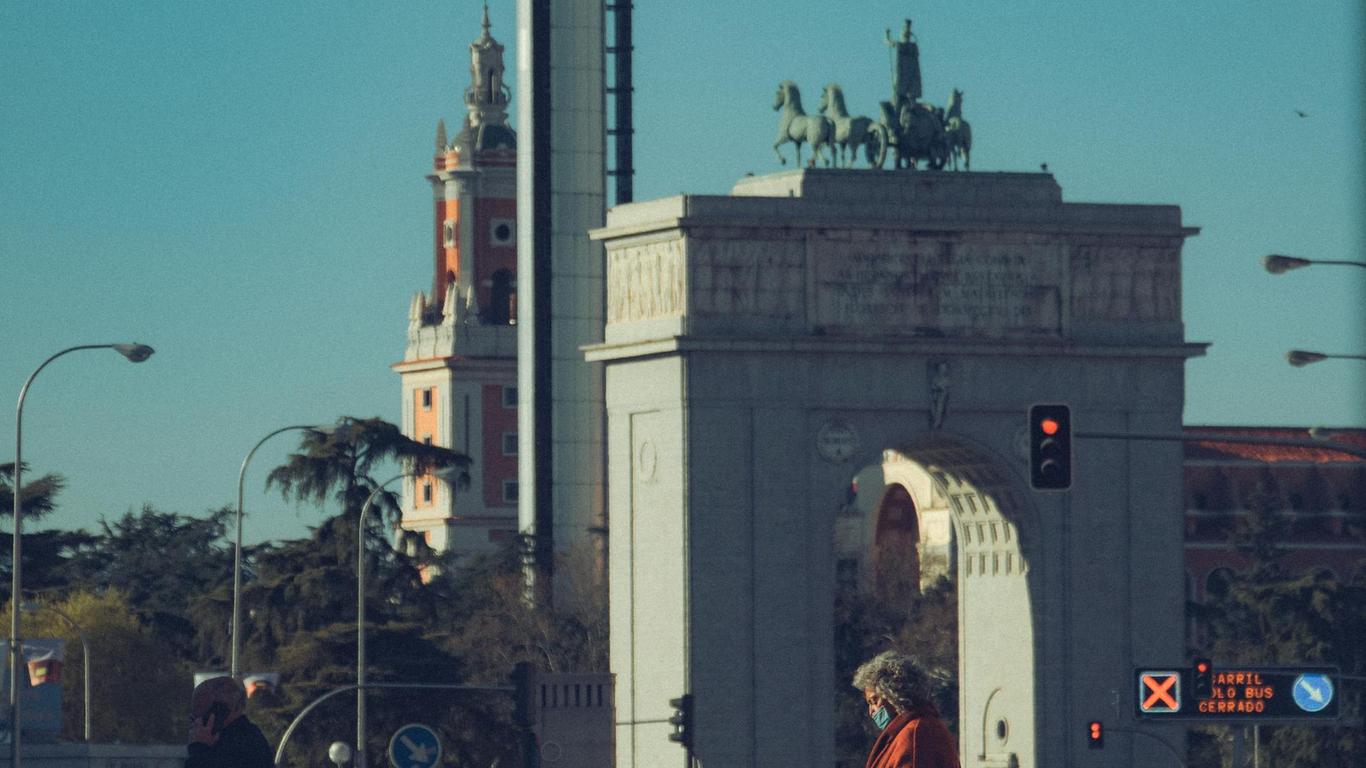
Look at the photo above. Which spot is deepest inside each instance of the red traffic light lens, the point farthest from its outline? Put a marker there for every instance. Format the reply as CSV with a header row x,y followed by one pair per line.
x,y
1095,730
1049,426
1202,667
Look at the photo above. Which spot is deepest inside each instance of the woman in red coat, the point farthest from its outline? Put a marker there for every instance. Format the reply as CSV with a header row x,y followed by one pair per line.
x,y
913,736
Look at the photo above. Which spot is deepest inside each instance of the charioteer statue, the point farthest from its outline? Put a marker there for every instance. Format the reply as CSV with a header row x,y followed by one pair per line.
x,y
905,68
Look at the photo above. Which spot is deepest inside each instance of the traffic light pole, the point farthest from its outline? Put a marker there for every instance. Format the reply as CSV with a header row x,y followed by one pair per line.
x,y
1175,754
1208,437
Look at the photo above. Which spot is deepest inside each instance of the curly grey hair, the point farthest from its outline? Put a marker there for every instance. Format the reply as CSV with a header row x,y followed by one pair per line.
x,y
896,677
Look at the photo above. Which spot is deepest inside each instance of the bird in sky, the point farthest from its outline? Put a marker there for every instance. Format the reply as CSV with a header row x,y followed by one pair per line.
x,y
1301,113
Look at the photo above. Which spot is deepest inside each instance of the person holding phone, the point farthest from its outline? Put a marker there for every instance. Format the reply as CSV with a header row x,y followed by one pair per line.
x,y
897,692
221,736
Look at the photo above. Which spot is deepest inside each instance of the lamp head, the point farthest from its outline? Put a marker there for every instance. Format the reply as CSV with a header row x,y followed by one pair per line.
x,y
134,352
1300,358
452,476
1277,263
339,753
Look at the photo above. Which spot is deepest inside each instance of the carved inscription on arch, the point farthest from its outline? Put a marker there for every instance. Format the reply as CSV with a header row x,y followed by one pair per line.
x,y
939,288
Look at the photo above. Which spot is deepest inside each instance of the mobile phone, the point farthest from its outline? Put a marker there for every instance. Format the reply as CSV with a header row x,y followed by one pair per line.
x,y
219,712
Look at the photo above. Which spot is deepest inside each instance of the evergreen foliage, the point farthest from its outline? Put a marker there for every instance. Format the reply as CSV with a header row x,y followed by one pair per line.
x,y
1270,614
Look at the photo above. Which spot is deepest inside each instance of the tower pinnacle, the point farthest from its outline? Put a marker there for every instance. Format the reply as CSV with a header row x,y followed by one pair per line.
x,y
487,96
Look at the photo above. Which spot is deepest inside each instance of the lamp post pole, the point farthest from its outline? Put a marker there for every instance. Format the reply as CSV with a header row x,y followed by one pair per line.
x,y
135,353
234,664
85,657
360,618
449,476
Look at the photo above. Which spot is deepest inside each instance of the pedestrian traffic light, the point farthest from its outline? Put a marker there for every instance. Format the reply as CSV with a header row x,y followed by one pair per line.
x,y
524,694
682,721
1050,447
1202,679
1095,734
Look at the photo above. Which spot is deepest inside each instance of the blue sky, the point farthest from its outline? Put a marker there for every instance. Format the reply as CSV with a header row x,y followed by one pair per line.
x,y
241,186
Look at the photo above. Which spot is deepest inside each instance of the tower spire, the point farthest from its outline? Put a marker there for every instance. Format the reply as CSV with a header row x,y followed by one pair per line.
x,y
487,96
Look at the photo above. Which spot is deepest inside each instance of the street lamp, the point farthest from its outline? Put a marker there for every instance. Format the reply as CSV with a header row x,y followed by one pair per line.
x,y
1300,358
449,475
1278,263
85,654
234,668
135,353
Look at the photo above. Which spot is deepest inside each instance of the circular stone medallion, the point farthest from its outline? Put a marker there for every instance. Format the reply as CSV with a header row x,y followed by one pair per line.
x,y
836,441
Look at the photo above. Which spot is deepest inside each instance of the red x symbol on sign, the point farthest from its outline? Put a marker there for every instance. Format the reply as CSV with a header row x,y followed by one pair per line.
x,y
1159,692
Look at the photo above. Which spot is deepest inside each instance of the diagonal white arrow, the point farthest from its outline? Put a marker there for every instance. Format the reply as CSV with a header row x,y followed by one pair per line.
x,y
1314,693
417,753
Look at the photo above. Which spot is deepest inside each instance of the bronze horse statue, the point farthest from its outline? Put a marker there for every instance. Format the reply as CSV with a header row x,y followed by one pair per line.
x,y
798,127
851,132
958,132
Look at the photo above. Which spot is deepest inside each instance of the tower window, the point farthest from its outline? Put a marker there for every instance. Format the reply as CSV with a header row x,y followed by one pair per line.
x,y
510,397
426,439
509,443
502,231
448,233
427,399
427,493
510,491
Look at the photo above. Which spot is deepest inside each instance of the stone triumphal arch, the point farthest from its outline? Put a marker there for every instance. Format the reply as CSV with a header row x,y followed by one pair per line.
x,y
764,346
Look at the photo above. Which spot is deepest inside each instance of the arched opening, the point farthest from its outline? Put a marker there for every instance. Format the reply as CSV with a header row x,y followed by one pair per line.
x,y
896,542
942,575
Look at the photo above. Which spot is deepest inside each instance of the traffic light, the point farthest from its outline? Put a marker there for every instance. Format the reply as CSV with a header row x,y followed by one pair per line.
x,y
1202,679
1050,447
682,721
524,694
1095,735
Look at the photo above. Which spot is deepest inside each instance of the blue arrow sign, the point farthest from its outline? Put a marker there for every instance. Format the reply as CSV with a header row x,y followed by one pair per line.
x,y
415,746
1313,692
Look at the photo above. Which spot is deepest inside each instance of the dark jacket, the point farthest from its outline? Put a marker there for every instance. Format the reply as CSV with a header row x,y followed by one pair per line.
x,y
240,745
915,738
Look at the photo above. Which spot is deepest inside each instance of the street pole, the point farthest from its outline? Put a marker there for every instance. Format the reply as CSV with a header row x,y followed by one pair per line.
x,y
360,618
134,353
234,666
85,657
450,477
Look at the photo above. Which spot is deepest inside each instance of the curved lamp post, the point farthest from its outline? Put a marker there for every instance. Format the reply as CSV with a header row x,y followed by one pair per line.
x,y
1278,263
135,353
235,669
450,476
1300,358
85,655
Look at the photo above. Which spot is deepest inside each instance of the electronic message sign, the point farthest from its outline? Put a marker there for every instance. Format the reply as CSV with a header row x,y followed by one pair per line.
x,y
1238,694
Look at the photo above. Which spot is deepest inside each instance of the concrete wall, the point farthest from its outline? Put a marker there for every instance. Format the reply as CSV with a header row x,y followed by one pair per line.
x,y
100,756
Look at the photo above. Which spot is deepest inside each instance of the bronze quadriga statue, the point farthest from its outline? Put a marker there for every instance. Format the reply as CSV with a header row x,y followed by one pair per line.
x,y
912,131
